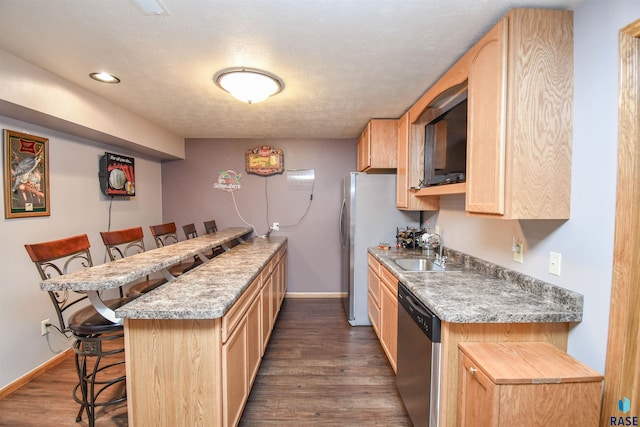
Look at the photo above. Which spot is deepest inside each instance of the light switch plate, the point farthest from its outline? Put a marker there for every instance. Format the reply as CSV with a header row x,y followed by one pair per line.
x,y
555,259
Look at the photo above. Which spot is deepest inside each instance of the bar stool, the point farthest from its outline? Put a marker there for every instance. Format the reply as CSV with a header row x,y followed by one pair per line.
x,y
122,243
211,227
165,234
99,343
190,232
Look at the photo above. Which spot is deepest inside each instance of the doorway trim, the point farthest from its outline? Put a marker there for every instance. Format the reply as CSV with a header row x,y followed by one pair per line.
x,y
622,371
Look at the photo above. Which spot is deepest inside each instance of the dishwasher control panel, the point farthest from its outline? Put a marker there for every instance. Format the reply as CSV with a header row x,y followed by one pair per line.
x,y
428,322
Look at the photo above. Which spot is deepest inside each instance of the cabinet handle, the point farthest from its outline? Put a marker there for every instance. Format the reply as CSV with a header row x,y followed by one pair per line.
x,y
472,370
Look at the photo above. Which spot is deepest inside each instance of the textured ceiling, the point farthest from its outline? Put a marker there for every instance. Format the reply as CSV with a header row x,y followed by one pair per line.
x,y
342,61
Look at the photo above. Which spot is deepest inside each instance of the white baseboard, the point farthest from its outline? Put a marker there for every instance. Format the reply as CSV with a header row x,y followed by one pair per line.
x,y
315,295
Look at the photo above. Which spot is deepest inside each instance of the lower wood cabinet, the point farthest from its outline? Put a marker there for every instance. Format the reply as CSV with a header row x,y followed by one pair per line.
x,y
525,384
199,372
383,308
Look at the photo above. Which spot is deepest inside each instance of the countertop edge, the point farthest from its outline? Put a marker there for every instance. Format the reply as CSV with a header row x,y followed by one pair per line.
x,y
210,290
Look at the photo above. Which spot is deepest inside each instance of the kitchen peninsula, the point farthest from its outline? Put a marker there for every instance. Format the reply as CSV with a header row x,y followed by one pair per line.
x,y
477,301
193,346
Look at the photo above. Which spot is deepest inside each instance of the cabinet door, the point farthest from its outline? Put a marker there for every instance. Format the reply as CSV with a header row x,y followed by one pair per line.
x,y
373,300
478,397
254,340
364,149
266,311
402,174
235,375
487,123
389,324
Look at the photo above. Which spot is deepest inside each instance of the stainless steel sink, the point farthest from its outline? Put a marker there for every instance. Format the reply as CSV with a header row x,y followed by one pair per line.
x,y
422,264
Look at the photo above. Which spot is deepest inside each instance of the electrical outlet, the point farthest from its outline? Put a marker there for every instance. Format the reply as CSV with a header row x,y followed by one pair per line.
x,y
436,229
44,326
554,263
517,247
275,226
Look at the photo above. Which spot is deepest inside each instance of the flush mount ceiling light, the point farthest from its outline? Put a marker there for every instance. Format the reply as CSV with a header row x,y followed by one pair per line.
x,y
104,78
248,84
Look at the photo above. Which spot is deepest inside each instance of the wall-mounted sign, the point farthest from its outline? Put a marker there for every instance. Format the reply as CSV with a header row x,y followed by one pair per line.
x,y
117,175
264,160
228,181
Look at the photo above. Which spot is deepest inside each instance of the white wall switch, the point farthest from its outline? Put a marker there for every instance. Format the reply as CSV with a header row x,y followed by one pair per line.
x,y
554,263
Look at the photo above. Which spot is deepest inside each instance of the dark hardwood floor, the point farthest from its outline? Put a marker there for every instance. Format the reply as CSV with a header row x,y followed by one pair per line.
x,y
317,371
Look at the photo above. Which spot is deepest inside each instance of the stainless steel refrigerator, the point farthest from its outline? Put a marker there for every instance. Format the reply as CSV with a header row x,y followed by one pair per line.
x,y
368,216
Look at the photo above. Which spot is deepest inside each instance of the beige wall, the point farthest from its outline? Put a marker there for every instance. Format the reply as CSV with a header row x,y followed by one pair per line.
x,y
314,245
77,206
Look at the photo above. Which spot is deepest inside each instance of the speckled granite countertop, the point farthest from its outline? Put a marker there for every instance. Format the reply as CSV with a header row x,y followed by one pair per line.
x,y
482,292
208,291
118,273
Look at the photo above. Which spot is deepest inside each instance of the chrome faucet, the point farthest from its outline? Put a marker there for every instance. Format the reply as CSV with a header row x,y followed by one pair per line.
x,y
429,243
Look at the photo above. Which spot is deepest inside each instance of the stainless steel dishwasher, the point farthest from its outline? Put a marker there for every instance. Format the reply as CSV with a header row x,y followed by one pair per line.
x,y
418,379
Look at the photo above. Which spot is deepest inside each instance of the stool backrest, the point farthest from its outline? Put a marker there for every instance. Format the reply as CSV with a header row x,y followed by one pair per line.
x,y
210,226
164,234
122,243
57,258
190,231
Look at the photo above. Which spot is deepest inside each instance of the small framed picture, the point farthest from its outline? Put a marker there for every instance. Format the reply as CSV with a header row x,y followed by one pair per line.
x,y
26,175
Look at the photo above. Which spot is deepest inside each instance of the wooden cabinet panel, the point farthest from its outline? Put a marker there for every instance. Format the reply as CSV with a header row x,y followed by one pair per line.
x,y
477,398
520,114
238,311
254,340
389,324
383,308
377,146
374,286
525,384
266,311
409,169
486,116
520,117
234,375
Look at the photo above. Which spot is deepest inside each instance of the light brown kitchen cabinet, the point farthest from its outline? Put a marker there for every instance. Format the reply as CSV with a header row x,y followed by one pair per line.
x,y
525,384
373,301
520,117
377,146
409,169
383,308
519,122
389,316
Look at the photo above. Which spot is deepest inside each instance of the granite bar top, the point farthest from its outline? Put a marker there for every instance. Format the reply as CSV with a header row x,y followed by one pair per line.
x,y
126,270
208,291
482,292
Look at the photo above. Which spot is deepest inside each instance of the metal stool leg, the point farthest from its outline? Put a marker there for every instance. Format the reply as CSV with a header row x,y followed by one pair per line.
x,y
93,366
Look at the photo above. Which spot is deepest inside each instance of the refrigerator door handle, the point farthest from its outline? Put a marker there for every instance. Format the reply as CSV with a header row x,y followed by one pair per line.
x,y
343,232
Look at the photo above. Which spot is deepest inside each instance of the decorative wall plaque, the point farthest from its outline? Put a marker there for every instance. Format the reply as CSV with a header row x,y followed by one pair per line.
x,y
264,160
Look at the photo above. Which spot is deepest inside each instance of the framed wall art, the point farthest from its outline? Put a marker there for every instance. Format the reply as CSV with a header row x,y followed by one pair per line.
x,y
26,175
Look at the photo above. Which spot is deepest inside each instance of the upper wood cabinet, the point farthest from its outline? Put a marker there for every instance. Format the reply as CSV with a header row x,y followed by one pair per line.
x,y
409,169
520,103
520,117
377,146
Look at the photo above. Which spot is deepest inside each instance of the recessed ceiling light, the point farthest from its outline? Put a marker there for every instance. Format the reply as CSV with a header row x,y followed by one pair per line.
x,y
249,85
104,77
